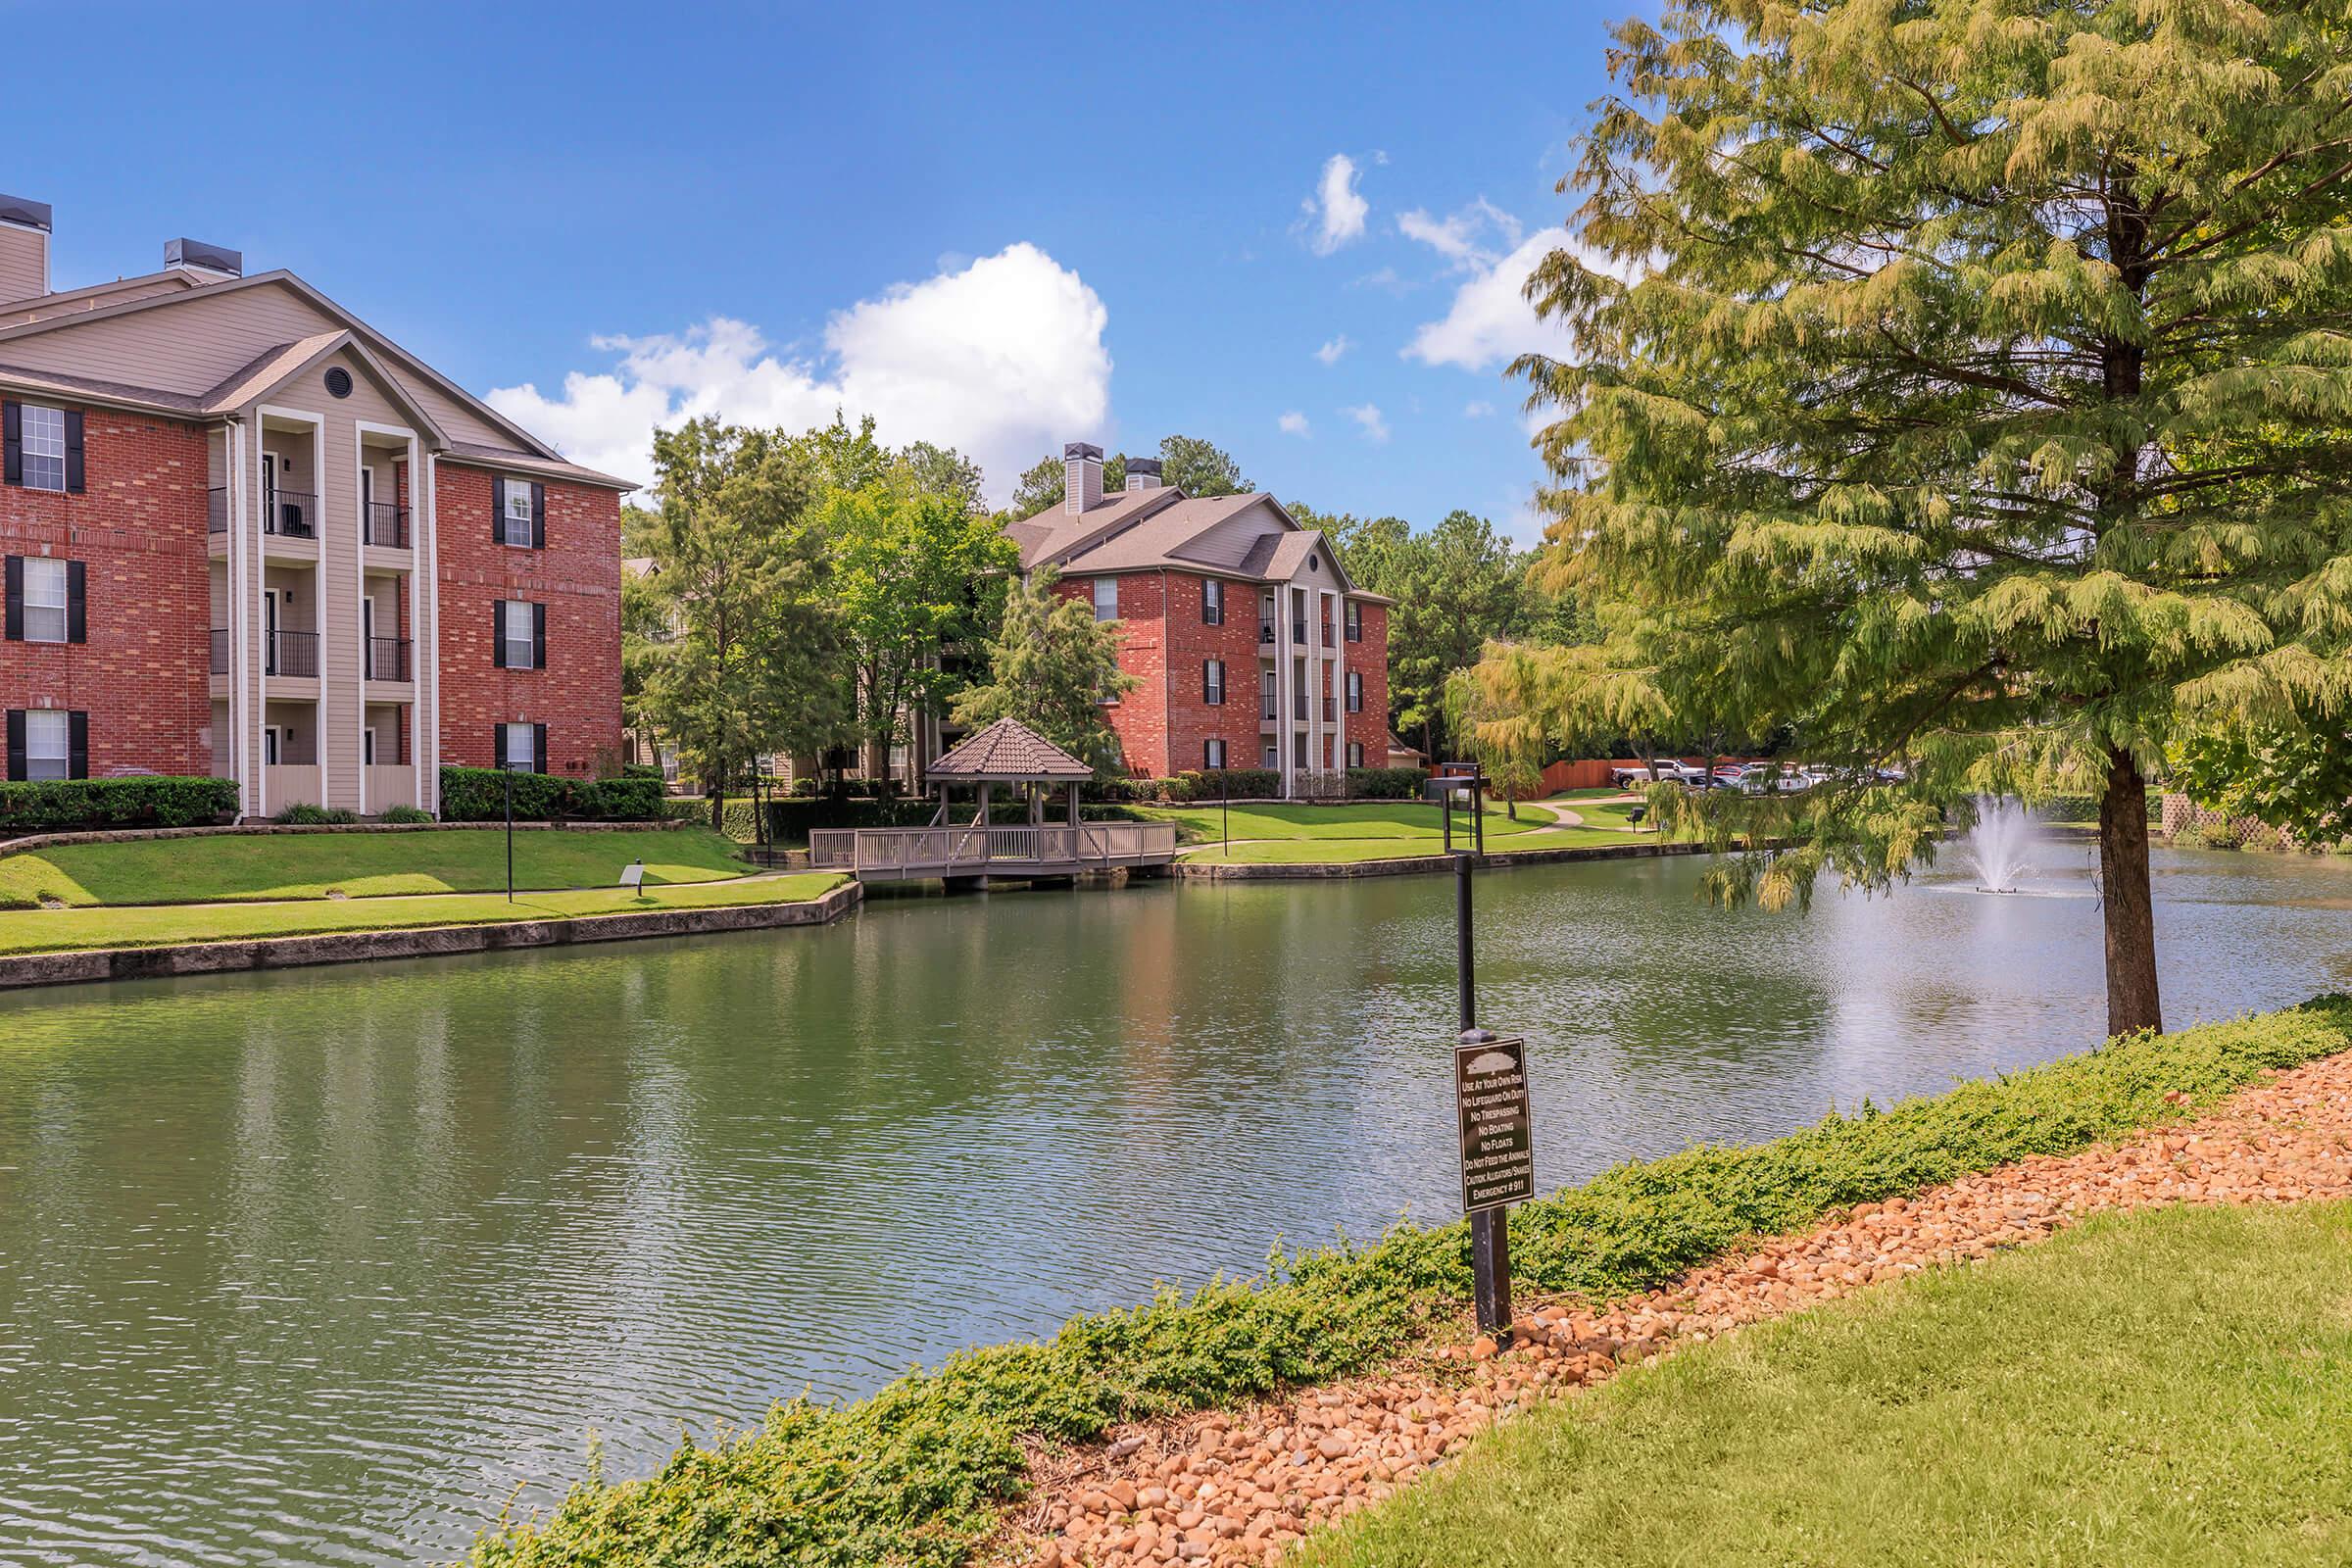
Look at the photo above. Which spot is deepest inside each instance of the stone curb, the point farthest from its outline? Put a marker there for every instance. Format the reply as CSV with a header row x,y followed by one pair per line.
x,y
353,946
134,835
1422,864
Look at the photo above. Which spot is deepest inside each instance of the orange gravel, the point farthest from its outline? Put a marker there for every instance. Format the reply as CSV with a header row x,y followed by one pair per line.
x,y
1239,1487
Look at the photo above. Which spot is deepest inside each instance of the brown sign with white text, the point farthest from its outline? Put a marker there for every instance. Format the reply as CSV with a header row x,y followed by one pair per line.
x,y
1498,1146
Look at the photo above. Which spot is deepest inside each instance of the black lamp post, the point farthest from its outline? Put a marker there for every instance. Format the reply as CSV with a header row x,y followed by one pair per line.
x,y
505,766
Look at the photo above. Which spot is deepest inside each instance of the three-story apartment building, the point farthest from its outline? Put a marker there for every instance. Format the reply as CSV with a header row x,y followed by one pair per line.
x,y
1250,646
247,535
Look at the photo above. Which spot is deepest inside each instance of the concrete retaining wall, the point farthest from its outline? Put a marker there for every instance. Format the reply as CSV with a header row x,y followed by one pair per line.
x,y
353,946
1420,865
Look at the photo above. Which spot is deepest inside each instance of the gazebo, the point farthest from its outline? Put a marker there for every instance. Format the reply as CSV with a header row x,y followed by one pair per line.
x,y
1008,751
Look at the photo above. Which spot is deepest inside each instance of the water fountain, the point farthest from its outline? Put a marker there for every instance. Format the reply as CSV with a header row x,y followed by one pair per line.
x,y
1998,844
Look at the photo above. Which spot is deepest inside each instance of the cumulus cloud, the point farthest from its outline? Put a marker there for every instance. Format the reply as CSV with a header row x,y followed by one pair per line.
x,y
1335,212
1367,416
1490,320
1292,424
1001,358
1330,352
1477,409
1469,240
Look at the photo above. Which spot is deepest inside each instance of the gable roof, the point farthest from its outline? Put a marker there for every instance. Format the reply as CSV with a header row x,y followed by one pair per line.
x,y
1008,751
1142,530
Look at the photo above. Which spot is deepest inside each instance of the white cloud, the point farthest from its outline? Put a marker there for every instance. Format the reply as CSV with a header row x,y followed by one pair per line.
x,y
1001,358
1490,320
1337,212
1367,416
1292,424
1470,239
1330,352
1478,409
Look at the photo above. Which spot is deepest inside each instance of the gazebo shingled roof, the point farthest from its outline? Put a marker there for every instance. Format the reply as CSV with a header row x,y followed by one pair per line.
x,y
1008,751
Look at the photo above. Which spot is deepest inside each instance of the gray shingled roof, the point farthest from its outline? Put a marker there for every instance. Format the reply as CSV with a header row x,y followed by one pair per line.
x,y
1008,751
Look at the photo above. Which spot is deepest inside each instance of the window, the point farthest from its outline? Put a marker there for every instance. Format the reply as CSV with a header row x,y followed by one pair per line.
x,y
45,600
1356,621
48,744
44,437
1271,756
516,520
367,747
1106,598
1356,754
1213,603
1355,690
521,643
518,748
1212,754
1212,683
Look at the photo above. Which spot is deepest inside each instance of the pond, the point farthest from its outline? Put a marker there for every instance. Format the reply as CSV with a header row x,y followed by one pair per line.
x,y
326,1266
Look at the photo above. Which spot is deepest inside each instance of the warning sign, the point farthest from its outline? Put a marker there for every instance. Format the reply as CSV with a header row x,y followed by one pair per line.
x,y
1499,1147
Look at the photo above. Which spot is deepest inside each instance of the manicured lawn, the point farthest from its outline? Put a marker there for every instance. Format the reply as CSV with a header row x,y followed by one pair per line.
x,y
1371,838
308,865
1367,819
135,927
2172,1388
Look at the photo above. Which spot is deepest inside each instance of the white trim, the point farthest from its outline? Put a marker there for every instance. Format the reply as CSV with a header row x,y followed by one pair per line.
x,y
359,430
319,530
424,502
233,504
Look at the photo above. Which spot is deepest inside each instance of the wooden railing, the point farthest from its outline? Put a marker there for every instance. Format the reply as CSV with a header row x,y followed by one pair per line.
x,y
970,851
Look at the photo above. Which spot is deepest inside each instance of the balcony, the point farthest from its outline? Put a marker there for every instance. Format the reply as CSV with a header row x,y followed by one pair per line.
x,y
215,510
219,650
385,525
1266,632
293,514
387,658
1265,707
1331,710
1299,632
292,654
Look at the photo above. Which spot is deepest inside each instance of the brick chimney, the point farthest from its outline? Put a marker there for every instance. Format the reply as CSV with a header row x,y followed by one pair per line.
x,y
1143,474
24,230
1081,478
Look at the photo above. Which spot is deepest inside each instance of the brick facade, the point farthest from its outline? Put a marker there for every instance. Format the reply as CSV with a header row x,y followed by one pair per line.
x,y
578,577
143,675
1369,729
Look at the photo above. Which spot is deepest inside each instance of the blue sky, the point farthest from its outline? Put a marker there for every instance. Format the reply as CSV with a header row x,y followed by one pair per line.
x,y
1002,227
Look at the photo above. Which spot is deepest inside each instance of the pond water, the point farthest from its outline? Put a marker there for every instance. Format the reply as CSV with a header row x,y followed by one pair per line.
x,y
326,1266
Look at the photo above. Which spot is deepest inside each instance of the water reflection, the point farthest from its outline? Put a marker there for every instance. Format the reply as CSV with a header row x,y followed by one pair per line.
x,y
318,1267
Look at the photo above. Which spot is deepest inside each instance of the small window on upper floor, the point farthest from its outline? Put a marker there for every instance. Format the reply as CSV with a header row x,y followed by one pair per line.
x,y
1106,598
1356,621
45,598
1213,603
44,438
516,519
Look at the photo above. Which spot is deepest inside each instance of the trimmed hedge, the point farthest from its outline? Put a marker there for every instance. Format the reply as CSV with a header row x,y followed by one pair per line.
x,y
917,1475
1385,783
479,795
65,805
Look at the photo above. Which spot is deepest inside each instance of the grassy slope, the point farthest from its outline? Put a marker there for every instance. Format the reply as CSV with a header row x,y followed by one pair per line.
x,y
2170,1387
306,866
1604,824
916,1474
1367,819
148,926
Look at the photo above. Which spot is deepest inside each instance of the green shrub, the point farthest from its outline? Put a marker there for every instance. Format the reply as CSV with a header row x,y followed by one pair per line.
x,y
65,805
305,815
916,1476
479,795
406,814
639,770
1385,783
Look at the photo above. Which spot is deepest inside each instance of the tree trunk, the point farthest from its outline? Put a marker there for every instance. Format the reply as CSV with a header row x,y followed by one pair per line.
x,y
2132,999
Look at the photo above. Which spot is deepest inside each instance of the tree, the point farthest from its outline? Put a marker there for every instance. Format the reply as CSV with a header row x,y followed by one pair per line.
x,y
1485,706
1187,463
916,575
1052,666
938,470
1043,486
2292,776
1457,587
1966,387
743,589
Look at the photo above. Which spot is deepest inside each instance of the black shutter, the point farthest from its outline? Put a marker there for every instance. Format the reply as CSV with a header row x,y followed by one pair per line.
x,y
539,519
16,745
73,454
77,744
77,621
498,746
498,633
538,748
498,510
12,436
538,636
15,599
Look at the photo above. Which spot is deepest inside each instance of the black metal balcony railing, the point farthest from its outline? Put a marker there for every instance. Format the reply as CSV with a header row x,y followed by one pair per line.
x,y
291,513
219,650
292,653
387,658
1266,632
385,525
1299,632
215,510
1265,707
1331,710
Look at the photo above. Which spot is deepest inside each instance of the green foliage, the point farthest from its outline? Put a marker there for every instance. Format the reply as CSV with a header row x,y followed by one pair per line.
x,y
1187,463
916,1476
51,806
305,815
405,814
2292,776
479,795
1051,666
1456,588
1385,783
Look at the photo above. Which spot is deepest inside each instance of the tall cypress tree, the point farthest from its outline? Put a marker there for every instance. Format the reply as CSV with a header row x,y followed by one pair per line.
x,y
1964,384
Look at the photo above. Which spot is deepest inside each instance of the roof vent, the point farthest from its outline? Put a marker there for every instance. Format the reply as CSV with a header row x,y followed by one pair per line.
x,y
1143,474
194,256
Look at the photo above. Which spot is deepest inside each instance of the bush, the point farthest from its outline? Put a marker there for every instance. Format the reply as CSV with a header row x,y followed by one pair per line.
x,y
1385,783
917,1474
64,806
304,815
639,770
479,795
406,814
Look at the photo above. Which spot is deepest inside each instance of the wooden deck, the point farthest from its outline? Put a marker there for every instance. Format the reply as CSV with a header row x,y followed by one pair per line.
x,y
911,854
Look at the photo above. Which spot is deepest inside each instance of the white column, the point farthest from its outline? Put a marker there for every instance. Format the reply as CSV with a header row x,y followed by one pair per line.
x,y
1283,683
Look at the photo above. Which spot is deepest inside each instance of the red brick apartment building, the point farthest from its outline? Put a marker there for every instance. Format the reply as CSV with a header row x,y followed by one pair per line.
x,y
246,535
1250,646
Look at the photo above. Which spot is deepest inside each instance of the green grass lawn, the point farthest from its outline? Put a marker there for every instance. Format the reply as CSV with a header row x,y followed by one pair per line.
x,y
228,867
1363,819
1369,841
150,926
2172,1388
